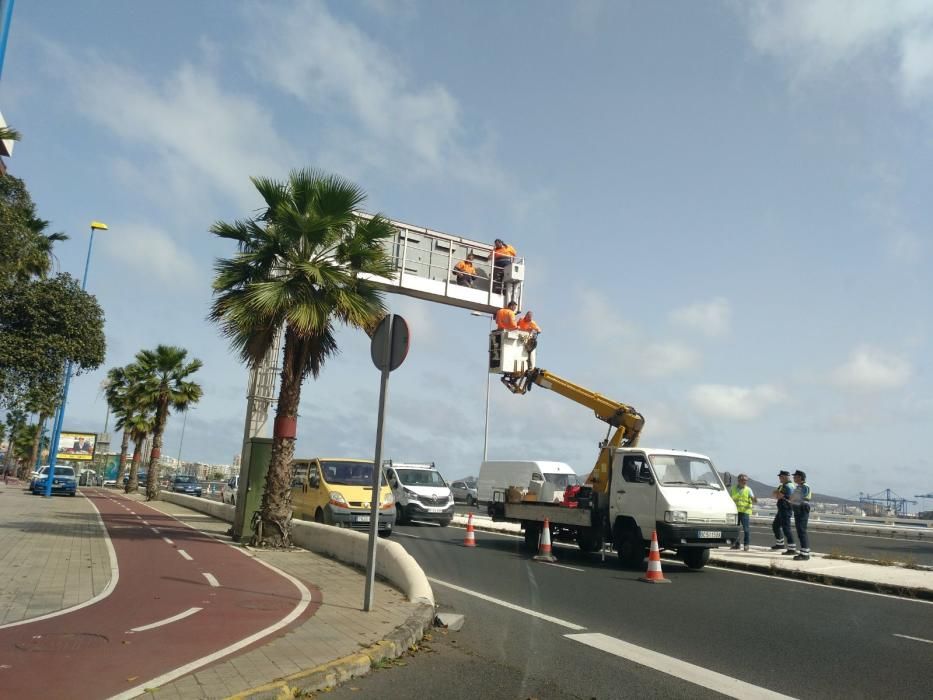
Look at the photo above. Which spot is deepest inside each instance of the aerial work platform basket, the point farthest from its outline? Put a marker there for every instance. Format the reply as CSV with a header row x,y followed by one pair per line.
x,y
425,263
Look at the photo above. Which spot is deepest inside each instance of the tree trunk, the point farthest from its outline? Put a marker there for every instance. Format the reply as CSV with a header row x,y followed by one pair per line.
x,y
276,509
37,440
132,484
152,483
124,448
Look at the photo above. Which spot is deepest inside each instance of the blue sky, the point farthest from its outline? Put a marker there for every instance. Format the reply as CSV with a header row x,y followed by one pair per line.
x,y
724,209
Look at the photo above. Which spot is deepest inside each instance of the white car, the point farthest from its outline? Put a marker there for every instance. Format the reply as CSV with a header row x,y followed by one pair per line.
x,y
229,489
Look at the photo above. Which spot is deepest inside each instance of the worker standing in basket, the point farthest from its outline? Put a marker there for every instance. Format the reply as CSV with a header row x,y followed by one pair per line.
x,y
527,323
505,317
502,256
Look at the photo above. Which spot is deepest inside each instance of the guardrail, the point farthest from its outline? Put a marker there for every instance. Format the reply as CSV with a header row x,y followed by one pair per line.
x,y
888,527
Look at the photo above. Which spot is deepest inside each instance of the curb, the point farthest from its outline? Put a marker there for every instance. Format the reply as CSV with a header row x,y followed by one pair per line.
x,y
328,675
828,579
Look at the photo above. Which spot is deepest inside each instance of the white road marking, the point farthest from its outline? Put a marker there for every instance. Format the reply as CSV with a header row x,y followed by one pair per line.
x,y
564,566
145,522
405,534
915,639
167,621
210,579
155,530
726,685
168,541
510,606
185,555
108,589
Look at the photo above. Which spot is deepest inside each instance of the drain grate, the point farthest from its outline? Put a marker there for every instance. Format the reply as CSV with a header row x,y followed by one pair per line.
x,y
67,641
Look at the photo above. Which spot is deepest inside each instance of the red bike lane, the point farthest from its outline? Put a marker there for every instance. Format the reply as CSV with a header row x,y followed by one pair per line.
x,y
181,597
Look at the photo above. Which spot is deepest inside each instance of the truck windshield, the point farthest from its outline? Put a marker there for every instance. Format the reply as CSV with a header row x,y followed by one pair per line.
x,y
348,473
419,477
562,481
675,470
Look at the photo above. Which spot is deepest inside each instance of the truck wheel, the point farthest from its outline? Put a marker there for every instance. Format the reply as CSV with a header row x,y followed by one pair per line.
x,y
588,540
631,549
695,557
400,517
532,537
470,501
443,523
319,516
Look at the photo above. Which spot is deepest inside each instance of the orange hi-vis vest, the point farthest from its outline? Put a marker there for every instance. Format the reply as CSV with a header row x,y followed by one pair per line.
x,y
526,324
465,266
505,251
505,319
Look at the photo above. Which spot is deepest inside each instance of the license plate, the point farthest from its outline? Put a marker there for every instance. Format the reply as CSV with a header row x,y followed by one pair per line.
x,y
56,482
709,534
361,518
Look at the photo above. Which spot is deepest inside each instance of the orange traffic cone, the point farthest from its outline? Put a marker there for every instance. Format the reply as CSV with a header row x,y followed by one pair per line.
x,y
544,546
470,539
654,573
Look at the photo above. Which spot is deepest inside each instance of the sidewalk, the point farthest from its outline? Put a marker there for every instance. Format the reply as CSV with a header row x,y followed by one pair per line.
x,y
53,555
895,580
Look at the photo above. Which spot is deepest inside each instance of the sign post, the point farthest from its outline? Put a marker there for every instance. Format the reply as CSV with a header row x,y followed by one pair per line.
x,y
388,348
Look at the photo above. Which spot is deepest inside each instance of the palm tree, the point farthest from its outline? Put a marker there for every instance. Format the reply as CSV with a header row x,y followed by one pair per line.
x,y
8,133
116,389
164,385
298,267
139,423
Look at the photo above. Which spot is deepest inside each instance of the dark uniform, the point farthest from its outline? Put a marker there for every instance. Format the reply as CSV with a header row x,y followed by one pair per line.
x,y
800,502
783,539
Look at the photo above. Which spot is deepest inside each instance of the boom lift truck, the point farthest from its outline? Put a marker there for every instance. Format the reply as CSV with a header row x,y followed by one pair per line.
x,y
631,490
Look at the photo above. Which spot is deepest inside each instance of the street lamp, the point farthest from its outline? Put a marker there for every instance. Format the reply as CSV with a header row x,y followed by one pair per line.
x,y
60,415
486,424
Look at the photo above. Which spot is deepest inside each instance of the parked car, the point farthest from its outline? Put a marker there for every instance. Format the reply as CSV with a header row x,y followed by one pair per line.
x,y
462,491
228,491
184,483
36,473
63,481
142,478
420,493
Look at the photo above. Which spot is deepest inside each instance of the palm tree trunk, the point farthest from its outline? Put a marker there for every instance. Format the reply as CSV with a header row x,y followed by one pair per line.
x,y
152,482
132,484
276,507
34,453
124,448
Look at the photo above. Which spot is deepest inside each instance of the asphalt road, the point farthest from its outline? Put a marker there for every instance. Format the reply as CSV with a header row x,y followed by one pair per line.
x,y
178,597
775,635
912,551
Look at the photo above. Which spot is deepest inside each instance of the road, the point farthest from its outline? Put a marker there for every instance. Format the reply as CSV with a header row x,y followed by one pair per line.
x,y
179,599
913,551
586,629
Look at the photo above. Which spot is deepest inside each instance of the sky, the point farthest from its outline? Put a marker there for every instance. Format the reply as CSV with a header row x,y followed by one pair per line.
x,y
723,207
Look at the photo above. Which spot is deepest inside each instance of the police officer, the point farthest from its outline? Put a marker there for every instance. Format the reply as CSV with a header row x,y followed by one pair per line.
x,y
800,502
783,539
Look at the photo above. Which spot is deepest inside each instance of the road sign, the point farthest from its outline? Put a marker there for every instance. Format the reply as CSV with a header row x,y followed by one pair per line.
x,y
396,350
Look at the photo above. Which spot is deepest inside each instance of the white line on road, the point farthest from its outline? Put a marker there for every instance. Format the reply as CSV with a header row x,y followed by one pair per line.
x,y
167,621
155,530
510,606
185,555
210,579
405,534
168,541
915,639
564,566
731,687
145,522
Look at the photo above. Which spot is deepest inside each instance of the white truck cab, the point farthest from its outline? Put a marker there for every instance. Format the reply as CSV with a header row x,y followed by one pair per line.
x,y
421,493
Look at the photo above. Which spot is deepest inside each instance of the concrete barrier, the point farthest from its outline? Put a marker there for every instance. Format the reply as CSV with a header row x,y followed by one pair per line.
x,y
393,563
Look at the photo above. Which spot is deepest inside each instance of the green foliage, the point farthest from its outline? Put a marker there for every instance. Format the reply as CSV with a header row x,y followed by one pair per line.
x,y
25,249
44,324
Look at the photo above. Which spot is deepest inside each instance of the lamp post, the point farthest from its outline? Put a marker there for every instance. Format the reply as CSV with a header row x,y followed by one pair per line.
x,y
486,422
60,415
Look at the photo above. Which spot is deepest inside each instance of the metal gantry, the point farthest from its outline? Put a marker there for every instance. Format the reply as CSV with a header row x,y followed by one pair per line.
x,y
884,503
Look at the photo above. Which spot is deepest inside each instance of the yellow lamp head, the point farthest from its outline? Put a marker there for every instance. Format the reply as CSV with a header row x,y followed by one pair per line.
x,y
100,226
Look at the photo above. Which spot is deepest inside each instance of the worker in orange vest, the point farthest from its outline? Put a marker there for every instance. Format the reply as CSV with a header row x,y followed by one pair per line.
x,y
502,256
465,271
505,318
527,323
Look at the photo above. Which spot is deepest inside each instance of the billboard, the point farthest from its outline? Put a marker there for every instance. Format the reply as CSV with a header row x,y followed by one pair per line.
x,y
76,446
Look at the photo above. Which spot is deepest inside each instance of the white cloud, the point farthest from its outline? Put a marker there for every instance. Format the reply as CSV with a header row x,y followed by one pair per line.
x,y
664,359
600,319
712,318
734,402
151,253
870,369
335,68
821,36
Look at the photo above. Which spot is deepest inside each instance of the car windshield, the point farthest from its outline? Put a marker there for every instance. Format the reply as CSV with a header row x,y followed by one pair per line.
x,y
676,470
348,473
185,480
59,471
420,477
562,481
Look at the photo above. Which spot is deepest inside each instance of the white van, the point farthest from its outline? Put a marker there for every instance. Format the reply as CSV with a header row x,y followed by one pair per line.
x,y
547,479
420,492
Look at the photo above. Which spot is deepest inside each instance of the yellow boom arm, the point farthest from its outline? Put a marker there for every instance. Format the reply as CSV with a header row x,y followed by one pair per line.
x,y
626,420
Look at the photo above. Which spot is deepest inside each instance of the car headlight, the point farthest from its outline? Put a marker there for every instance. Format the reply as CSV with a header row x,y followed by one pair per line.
x,y
675,516
410,493
732,518
337,499
388,500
